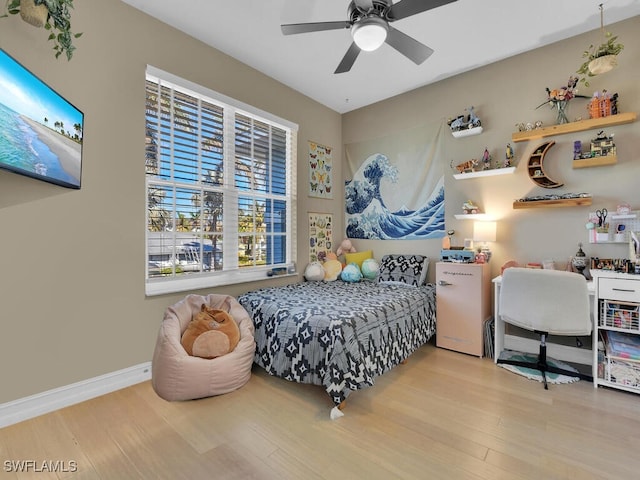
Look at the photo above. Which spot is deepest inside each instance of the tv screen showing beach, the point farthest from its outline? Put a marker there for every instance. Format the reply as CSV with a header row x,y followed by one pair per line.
x,y
40,132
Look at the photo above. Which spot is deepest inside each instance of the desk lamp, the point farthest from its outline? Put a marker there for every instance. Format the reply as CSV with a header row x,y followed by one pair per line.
x,y
484,232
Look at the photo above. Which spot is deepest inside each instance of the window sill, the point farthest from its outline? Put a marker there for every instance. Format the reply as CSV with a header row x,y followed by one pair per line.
x,y
165,286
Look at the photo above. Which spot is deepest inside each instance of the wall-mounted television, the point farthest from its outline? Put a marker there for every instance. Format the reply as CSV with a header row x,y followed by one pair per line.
x,y
40,131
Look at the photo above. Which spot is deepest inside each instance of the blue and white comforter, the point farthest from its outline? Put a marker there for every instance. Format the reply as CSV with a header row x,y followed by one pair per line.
x,y
336,334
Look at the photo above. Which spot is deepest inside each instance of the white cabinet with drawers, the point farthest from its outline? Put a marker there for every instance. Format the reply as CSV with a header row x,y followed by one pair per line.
x,y
616,363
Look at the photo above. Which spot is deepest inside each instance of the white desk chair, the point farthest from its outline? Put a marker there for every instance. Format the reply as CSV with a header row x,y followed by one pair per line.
x,y
548,302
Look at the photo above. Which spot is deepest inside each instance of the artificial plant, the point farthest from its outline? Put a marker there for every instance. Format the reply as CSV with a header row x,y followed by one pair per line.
x,y
58,22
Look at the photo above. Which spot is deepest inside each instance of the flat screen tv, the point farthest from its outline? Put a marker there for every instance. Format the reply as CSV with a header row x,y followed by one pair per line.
x,y
40,131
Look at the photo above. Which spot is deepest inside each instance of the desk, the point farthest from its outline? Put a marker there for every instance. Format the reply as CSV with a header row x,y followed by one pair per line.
x,y
501,341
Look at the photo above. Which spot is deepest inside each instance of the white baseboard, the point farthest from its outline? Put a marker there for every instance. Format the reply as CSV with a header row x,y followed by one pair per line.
x,y
35,405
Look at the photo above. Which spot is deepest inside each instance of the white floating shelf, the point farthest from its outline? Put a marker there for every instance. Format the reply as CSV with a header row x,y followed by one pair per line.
x,y
485,173
467,132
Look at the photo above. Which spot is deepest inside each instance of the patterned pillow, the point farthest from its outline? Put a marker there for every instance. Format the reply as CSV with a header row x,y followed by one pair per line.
x,y
409,269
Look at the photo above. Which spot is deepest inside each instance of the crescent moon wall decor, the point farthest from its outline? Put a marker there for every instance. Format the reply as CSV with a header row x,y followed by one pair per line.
x,y
535,167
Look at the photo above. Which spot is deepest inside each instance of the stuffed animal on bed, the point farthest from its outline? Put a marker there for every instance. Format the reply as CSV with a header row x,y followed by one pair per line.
x,y
332,269
345,247
314,272
351,273
370,268
211,333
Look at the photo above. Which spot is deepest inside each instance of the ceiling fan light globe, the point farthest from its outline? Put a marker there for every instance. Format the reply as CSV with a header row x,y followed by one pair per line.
x,y
370,33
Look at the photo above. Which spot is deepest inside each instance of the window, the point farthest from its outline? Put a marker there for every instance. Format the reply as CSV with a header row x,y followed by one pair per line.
x,y
220,188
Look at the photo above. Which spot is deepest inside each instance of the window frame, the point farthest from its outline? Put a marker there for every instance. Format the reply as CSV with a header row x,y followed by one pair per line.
x,y
231,272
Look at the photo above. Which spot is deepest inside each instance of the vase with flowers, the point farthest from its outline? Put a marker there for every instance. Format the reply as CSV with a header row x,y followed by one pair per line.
x,y
559,98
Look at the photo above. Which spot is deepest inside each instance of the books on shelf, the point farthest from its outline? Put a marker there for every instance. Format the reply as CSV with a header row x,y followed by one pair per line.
x,y
622,345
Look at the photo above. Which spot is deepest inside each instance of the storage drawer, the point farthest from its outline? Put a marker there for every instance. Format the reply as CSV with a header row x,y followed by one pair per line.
x,y
622,315
619,289
622,372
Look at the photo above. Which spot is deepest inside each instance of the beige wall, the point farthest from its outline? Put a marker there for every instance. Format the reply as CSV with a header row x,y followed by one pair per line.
x,y
506,93
72,305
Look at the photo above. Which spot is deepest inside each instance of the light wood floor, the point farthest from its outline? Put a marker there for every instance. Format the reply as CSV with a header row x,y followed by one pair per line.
x,y
443,415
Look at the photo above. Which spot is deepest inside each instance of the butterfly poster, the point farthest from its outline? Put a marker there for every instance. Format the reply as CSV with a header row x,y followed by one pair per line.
x,y
320,174
320,236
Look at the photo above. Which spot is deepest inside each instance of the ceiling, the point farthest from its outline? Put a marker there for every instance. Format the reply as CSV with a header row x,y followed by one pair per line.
x,y
465,35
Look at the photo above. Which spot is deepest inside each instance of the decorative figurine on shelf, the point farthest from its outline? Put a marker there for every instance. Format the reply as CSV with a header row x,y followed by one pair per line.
x,y
579,260
603,104
508,156
623,209
577,150
602,145
468,166
614,104
469,207
461,122
486,160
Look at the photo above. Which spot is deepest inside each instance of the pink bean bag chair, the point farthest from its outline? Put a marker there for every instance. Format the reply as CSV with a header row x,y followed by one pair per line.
x,y
175,375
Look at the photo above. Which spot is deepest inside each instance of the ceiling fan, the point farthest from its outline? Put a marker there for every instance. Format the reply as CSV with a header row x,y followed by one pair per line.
x,y
369,23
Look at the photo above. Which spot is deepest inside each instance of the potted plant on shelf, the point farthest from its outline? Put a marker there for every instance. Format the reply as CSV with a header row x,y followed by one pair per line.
x,y
602,58
54,15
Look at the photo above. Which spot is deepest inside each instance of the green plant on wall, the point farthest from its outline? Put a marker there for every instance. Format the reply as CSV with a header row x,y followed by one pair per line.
x,y
610,47
56,19
602,58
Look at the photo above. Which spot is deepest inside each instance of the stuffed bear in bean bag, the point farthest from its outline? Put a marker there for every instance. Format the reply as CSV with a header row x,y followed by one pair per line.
x,y
211,333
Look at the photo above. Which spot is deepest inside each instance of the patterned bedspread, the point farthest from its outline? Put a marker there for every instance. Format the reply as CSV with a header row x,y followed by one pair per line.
x,y
336,334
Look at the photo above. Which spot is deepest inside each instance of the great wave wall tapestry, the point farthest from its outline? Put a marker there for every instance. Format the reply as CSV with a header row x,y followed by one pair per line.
x,y
396,186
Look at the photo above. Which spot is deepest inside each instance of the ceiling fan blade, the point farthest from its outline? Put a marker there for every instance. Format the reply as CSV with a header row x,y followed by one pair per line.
x,y
409,47
364,5
406,8
349,59
293,28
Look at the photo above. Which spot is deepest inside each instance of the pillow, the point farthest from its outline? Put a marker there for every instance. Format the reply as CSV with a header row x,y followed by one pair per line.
x,y
357,257
409,269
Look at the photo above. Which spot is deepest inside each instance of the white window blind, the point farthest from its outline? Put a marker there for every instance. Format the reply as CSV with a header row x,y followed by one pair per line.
x,y
220,188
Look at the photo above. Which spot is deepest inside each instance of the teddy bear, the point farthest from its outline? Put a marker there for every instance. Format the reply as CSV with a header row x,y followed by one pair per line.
x,y
211,333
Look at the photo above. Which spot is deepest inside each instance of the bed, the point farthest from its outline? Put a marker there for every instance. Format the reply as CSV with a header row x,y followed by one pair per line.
x,y
343,335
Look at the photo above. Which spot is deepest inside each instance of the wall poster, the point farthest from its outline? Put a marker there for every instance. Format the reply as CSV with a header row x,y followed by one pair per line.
x,y
320,175
320,236
394,187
